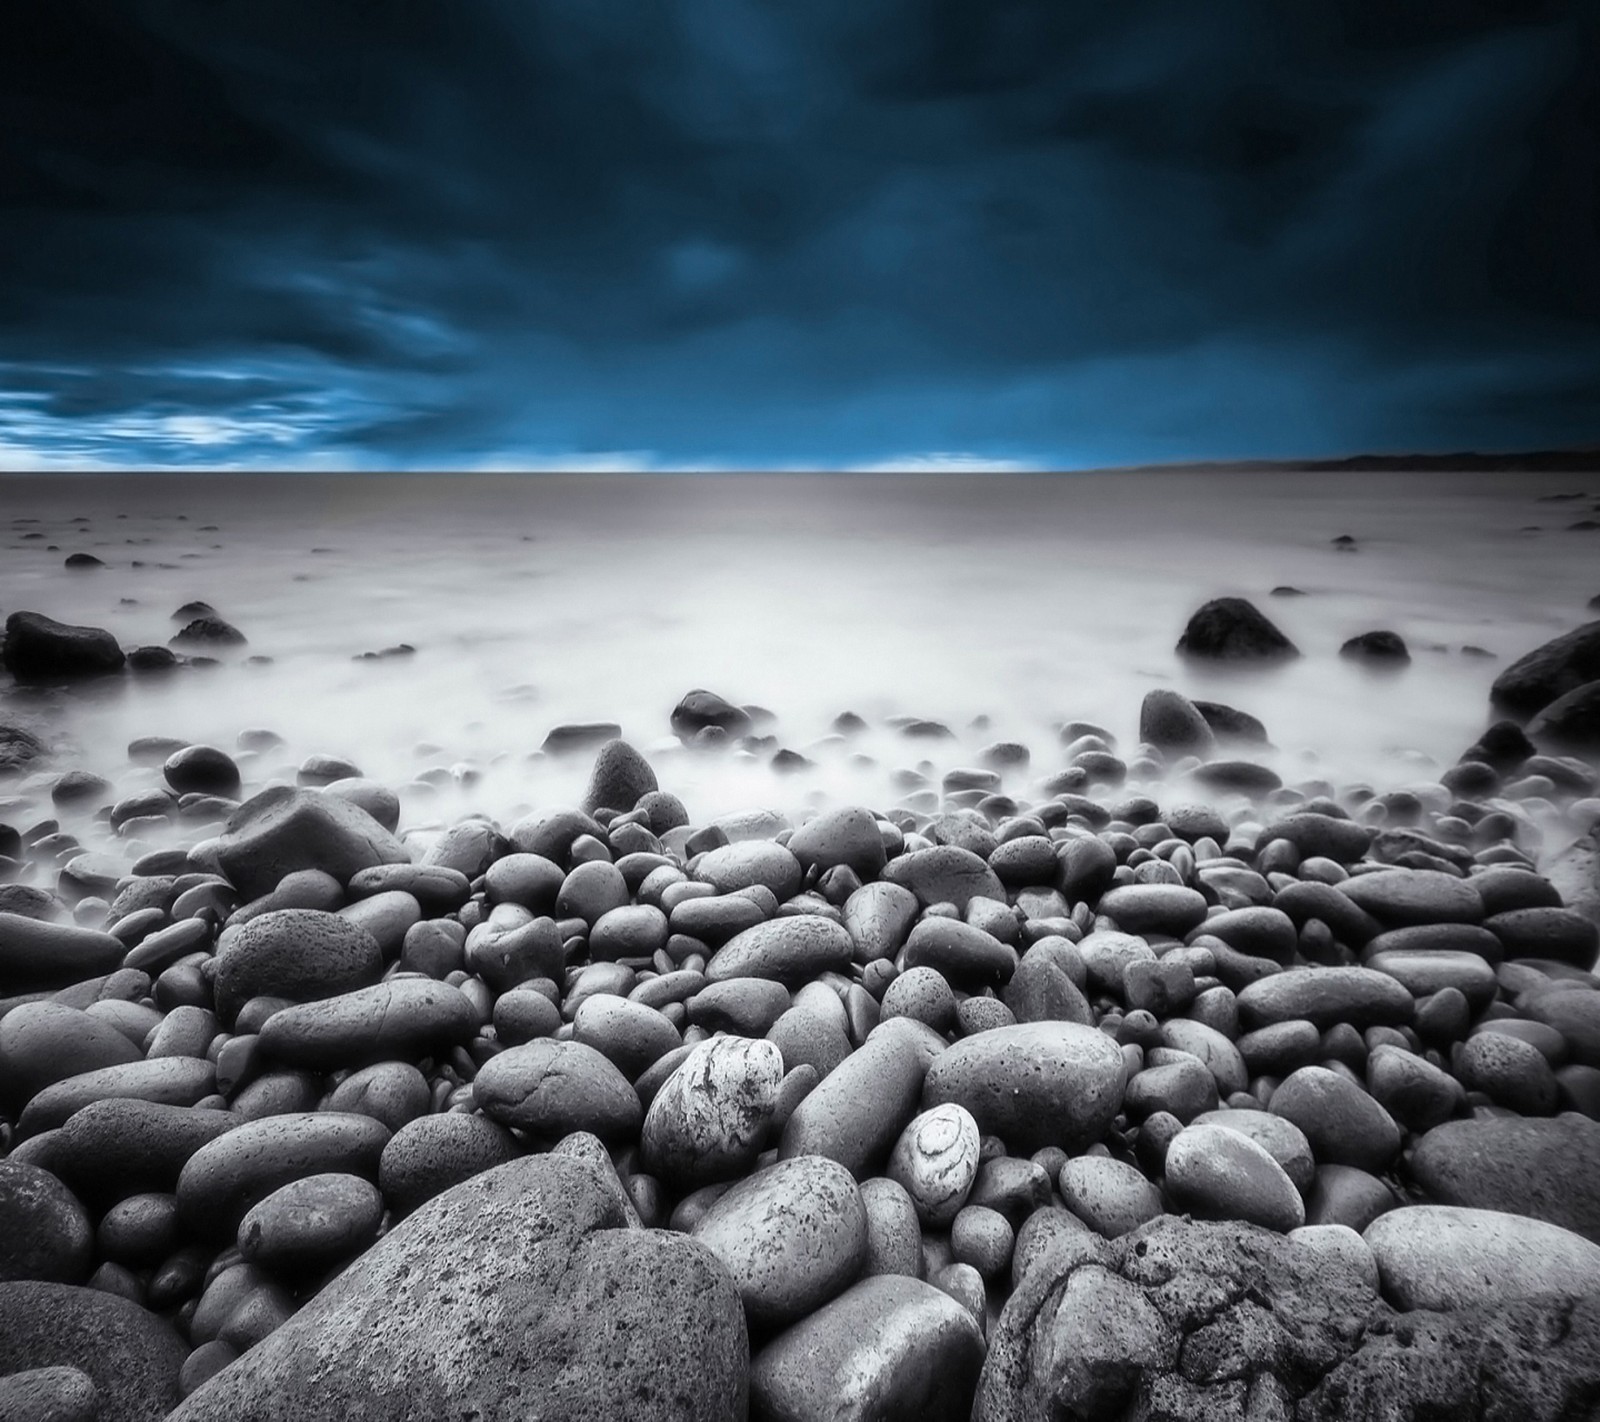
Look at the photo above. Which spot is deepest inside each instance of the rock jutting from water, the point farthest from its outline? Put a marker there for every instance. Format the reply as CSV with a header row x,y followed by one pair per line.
x,y
1124,1099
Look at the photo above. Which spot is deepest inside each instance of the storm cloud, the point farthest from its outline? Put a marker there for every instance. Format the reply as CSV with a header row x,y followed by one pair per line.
x,y
453,233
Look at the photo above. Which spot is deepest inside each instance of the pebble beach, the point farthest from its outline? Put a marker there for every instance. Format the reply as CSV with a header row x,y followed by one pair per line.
x,y
655,949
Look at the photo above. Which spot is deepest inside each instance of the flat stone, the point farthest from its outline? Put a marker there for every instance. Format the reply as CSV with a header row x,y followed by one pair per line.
x,y
1344,1125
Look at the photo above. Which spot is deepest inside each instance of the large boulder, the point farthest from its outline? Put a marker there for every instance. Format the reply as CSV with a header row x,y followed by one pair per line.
x,y
1233,629
1561,665
1545,1169
37,648
519,1292
1175,1320
1571,722
619,778
132,1357
285,829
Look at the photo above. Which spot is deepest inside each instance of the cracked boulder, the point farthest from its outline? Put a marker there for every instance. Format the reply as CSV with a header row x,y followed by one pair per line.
x,y
518,1293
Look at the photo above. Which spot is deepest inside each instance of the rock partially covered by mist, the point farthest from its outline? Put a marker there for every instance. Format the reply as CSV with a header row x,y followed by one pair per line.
x,y
1380,647
38,648
19,748
1234,629
1561,665
700,709
282,830
1571,722
208,632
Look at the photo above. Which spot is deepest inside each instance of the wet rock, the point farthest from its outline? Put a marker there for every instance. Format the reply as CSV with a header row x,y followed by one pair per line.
x,y
1362,997
1233,629
1380,648
709,1121
519,1284
1398,897
39,649
621,777
282,830
1344,1125
1110,1196
845,836
936,1161
1221,1174
857,1113
57,1394
47,1233
1510,1072
1173,723
1035,1084
792,1237
1571,722
114,1148
131,1356
750,862
311,1223
945,873
202,770
172,1081
1446,1257
1548,672
45,1042
888,1347
1170,909
36,955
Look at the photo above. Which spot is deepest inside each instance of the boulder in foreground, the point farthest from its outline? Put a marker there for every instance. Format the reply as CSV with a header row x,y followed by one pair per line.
x,y
519,1293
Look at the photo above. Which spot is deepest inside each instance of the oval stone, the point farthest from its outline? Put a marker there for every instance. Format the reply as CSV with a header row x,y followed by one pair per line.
x,y
1033,1085
401,1019
551,1088
1363,997
1222,1174
1344,1125
312,1222
856,1114
709,1121
1448,1257
790,950
1171,909
792,1236
936,1160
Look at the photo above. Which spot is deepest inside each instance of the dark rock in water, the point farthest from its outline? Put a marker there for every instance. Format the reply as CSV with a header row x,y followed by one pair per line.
x,y
79,787
1176,1319
1571,722
282,830
208,631
385,654
191,610
36,955
151,659
82,560
19,748
132,1357
787,762
1243,776
37,648
1232,629
700,708
620,779
295,953
1287,590
1228,723
1381,646
517,1292
1545,1169
1169,721
1503,747
47,1231
201,769
1532,1359
575,736
1561,665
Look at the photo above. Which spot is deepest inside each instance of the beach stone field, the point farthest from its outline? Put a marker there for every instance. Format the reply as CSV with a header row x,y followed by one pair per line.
x,y
1107,1078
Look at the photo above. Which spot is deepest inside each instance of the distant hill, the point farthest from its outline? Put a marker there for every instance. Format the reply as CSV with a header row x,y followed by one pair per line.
x,y
1538,461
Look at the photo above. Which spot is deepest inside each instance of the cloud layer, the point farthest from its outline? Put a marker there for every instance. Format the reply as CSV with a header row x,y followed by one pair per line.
x,y
726,232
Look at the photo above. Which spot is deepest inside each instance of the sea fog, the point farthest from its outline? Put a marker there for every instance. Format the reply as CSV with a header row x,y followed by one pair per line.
x,y
1029,600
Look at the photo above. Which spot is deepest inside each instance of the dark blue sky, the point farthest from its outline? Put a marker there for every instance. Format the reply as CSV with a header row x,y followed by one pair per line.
x,y
465,233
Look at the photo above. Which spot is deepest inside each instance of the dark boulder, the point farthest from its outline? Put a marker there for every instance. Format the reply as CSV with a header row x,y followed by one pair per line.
x,y
207,632
1378,647
1232,629
700,709
37,648
1561,665
1228,723
1571,722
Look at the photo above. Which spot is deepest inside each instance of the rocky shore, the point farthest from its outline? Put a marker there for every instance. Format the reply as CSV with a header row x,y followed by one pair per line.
x,y
1089,1080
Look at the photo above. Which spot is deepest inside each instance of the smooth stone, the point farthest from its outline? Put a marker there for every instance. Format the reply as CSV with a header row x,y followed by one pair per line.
x,y
619,778
633,1037
857,1114
739,866
709,1121
1424,973
1344,1195
791,1236
1344,1125
894,1234
1411,1089
1545,1169
284,829
1107,956
806,1037
1400,897
1511,1072
632,931
1048,985
299,954
1281,1139
311,1223
1259,931
747,1007
551,1088
42,1043
963,955
1219,1173
47,1233
402,1019
945,873
878,916
1449,1257
1320,836
114,1148
1184,1089
791,951
889,1347
1234,629
1170,909
225,1178
1035,1084
392,1093
847,836
1574,1014
1363,997
433,1154
936,1162
1219,1056
519,1289
35,954
171,1081
1561,934
387,916
1340,1246
132,1357
1110,1196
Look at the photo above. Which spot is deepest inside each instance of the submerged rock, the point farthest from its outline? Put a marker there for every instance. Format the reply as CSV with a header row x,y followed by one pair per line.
x,y
1233,629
